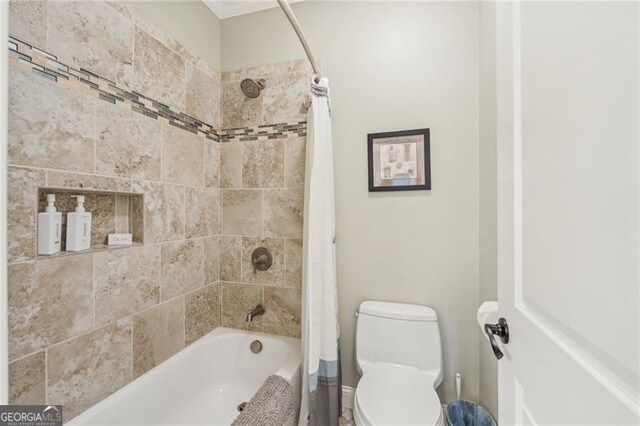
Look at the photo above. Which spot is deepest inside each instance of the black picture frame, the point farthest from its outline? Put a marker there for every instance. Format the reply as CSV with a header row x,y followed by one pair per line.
x,y
401,183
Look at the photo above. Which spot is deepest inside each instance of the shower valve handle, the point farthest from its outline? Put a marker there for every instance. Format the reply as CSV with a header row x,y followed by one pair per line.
x,y
261,259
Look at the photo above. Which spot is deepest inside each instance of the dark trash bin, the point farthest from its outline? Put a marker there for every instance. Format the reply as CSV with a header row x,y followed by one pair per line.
x,y
467,413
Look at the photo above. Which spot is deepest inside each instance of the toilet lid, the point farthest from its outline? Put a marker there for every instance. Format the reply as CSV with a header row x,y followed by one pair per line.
x,y
393,395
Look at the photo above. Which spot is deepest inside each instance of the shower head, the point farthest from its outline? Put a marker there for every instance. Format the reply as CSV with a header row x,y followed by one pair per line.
x,y
251,88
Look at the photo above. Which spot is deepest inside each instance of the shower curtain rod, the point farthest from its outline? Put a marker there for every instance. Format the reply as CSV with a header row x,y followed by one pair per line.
x,y
296,26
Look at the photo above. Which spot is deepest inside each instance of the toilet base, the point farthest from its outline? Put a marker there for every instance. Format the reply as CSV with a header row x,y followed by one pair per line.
x,y
359,421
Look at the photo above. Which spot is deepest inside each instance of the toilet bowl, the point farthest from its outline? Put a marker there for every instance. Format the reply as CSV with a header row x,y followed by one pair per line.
x,y
399,355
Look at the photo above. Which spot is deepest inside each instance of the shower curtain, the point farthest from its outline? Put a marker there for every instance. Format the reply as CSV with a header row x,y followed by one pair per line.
x,y
321,384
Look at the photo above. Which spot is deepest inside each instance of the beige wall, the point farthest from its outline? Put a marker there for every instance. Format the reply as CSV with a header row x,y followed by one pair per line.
x,y
393,67
488,206
189,22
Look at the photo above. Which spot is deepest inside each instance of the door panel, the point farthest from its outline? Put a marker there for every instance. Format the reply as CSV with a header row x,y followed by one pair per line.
x,y
569,192
579,170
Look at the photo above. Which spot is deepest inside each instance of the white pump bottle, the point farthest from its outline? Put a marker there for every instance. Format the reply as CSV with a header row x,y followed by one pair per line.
x,y
78,227
49,228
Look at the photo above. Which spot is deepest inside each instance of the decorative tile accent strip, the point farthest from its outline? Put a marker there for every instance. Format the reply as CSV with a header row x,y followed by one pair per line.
x,y
265,132
49,66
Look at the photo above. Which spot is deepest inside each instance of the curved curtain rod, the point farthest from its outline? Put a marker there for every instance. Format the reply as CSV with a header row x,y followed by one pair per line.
x,y
296,26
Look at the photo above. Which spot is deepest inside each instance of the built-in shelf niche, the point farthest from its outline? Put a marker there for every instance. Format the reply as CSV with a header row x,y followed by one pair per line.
x,y
111,213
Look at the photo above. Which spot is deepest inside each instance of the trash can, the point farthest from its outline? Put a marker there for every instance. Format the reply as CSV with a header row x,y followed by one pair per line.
x,y
467,413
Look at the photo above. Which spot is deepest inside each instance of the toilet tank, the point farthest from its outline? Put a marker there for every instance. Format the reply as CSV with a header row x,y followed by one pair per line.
x,y
399,333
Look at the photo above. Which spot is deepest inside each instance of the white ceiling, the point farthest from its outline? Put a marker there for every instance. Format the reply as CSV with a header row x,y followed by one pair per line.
x,y
228,8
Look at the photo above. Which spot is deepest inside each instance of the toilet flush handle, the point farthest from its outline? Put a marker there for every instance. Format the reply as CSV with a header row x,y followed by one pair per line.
x,y
501,329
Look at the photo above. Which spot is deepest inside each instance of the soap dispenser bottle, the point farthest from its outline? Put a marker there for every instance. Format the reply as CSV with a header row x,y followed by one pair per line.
x,y
49,228
78,227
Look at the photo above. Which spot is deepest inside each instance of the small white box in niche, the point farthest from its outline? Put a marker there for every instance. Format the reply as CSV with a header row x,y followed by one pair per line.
x,y
120,239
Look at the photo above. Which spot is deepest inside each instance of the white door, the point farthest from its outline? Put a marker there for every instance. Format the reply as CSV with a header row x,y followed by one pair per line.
x,y
568,212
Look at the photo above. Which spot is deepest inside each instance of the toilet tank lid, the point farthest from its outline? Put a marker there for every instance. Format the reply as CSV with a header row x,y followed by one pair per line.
x,y
400,311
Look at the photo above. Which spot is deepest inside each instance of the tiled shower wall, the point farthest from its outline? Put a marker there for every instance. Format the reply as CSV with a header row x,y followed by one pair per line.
x,y
84,325
262,181
281,101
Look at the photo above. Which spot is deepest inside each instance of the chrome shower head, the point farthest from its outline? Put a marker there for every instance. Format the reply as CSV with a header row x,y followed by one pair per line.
x,y
251,88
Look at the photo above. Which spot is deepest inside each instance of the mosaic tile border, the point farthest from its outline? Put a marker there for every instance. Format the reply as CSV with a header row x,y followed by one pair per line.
x,y
47,65
265,132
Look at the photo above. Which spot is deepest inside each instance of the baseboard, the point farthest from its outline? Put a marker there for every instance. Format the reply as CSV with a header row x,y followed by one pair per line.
x,y
347,397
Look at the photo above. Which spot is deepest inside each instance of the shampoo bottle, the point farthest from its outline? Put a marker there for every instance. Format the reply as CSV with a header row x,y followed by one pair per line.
x,y
49,228
78,227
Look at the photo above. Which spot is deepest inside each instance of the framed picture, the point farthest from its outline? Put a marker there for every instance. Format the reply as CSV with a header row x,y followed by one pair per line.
x,y
399,161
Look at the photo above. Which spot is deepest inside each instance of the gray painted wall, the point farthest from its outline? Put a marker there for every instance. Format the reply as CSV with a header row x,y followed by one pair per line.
x,y
393,67
488,199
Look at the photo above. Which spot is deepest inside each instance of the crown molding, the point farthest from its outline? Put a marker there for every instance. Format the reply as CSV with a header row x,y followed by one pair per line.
x,y
228,8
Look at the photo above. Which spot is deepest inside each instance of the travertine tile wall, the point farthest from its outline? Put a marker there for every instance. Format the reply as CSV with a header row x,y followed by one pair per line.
x,y
281,101
262,181
82,326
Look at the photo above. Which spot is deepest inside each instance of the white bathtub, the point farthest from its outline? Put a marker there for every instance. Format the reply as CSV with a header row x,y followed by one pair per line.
x,y
203,384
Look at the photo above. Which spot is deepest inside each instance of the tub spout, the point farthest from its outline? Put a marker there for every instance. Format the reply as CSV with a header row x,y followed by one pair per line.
x,y
255,312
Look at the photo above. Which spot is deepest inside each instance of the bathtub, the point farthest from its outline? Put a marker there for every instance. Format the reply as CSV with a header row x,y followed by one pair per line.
x,y
202,384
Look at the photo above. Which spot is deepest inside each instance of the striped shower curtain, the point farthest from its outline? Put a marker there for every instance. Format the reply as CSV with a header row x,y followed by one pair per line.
x,y
321,387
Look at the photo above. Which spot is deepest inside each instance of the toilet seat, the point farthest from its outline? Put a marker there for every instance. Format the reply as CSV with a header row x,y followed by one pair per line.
x,y
391,394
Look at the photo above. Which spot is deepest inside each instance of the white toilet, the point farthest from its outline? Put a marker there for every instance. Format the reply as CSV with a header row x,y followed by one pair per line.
x,y
399,355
